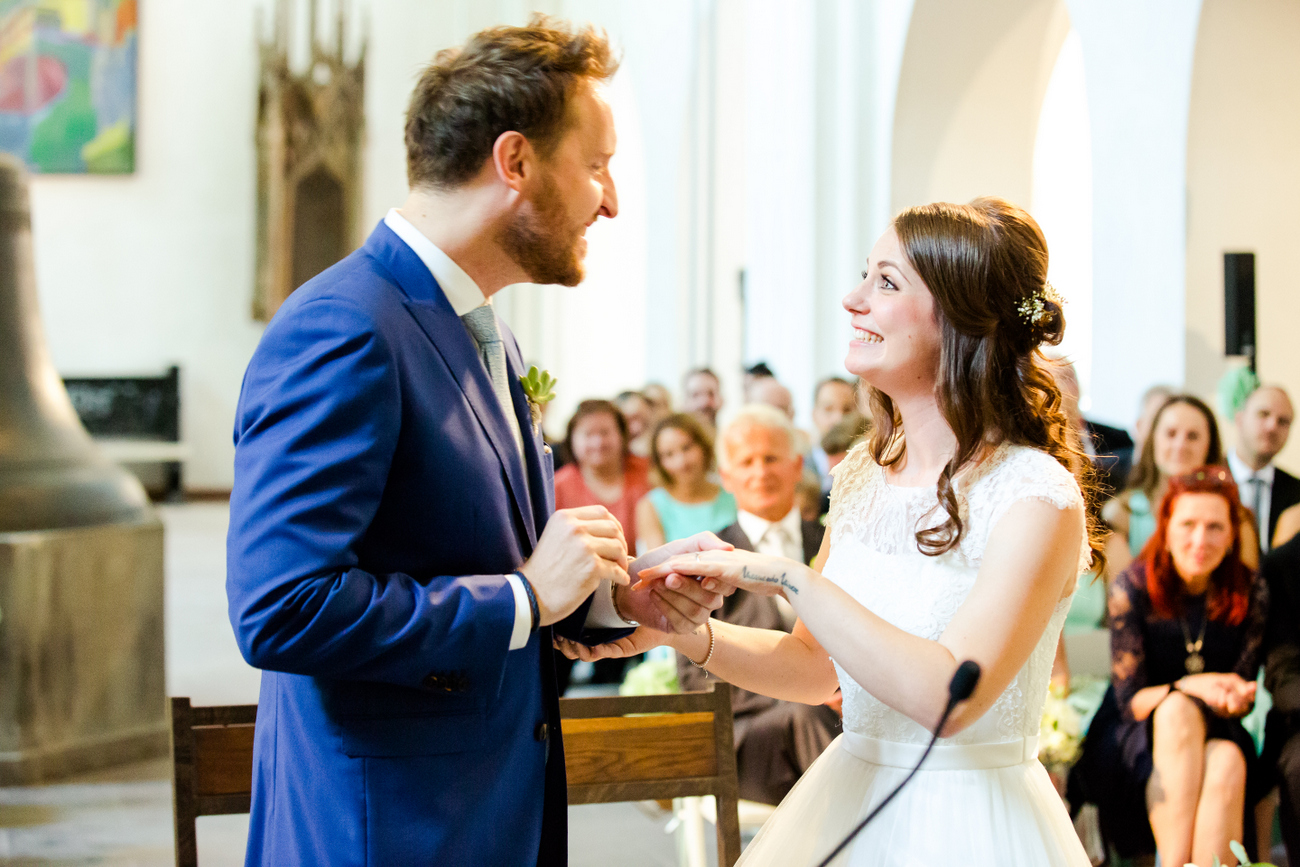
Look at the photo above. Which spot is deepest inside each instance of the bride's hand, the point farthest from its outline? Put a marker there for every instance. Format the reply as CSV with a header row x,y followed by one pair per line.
x,y
745,570
643,638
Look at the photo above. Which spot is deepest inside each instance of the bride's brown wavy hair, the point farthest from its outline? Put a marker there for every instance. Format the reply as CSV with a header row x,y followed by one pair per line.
x,y
982,262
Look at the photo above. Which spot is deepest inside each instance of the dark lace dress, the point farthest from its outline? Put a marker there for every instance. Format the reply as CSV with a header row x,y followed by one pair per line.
x,y
1146,650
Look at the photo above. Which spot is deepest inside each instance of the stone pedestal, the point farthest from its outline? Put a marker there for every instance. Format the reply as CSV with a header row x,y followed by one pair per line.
x,y
82,682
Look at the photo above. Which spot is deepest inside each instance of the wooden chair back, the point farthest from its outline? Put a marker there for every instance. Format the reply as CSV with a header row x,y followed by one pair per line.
x,y
616,748
212,774
644,747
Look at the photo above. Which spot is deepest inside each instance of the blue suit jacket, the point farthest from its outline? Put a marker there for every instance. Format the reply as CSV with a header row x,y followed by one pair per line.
x,y
379,501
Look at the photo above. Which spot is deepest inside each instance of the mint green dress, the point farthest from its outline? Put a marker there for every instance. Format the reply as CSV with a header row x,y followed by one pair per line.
x,y
1141,523
680,520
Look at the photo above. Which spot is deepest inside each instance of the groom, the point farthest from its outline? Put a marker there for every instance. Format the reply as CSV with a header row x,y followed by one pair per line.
x,y
394,565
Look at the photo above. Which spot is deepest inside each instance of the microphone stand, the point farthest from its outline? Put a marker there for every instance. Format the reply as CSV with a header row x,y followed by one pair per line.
x,y
959,689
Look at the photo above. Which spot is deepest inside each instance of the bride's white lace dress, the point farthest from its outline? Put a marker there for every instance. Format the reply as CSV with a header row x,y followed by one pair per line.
x,y
982,799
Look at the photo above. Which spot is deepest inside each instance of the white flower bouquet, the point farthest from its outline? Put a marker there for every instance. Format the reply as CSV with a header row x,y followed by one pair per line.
x,y
1060,734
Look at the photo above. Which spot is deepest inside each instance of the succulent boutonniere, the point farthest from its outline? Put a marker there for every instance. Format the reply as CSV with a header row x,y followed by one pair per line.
x,y
539,386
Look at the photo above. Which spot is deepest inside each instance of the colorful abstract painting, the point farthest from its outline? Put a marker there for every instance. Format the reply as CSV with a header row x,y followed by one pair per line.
x,y
67,84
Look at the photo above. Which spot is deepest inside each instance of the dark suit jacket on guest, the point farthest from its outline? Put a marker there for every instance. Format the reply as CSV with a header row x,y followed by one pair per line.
x,y
1281,569
1114,460
380,501
747,609
1285,494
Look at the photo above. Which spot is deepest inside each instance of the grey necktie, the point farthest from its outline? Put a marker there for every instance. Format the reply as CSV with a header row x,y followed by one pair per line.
x,y
482,325
1261,522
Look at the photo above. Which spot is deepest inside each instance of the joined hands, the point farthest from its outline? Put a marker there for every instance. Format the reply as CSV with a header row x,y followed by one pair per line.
x,y
663,603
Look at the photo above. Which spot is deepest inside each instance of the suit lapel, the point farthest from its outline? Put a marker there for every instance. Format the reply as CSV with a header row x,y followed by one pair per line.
x,y
429,306
540,487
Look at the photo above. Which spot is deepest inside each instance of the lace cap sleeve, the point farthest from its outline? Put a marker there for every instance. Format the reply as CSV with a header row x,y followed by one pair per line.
x,y
1025,474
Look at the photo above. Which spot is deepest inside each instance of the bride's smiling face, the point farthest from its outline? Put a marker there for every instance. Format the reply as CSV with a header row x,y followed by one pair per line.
x,y
895,343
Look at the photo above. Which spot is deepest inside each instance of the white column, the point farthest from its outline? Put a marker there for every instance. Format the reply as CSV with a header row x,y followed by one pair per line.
x,y
1138,58
781,218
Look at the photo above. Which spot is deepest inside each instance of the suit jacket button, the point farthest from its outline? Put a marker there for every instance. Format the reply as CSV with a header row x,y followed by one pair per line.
x,y
541,732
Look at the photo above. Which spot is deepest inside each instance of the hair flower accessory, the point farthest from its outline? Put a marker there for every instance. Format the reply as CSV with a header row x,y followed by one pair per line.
x,y
539,387
1033,309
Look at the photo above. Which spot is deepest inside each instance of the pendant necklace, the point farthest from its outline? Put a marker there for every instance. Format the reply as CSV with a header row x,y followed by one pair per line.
x,y
1195,663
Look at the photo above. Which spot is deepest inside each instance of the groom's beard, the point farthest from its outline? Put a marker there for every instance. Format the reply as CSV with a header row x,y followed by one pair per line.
x,y
540,242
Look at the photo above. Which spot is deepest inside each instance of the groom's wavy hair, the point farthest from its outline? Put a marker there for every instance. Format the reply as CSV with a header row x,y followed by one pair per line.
x,y
983,262
502,79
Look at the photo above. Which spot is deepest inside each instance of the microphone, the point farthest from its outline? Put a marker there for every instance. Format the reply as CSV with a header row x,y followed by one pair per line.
x,y
959,689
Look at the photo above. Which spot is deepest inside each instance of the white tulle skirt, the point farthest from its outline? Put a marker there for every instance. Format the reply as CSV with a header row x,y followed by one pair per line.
x,y
950,814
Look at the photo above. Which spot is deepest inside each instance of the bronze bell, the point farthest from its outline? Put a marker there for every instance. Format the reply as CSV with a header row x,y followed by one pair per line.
x,y
52,475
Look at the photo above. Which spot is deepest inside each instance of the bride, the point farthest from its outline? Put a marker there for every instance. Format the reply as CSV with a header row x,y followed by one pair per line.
x,y
957,532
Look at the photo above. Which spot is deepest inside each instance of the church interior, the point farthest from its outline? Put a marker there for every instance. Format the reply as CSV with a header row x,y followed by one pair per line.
x,y
178,168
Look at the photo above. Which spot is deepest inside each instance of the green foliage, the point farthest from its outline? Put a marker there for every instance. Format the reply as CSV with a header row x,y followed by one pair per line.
x,y
1243,860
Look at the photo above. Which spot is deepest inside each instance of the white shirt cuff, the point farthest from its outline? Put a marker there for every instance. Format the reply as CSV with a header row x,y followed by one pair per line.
x,y
601,614
523,613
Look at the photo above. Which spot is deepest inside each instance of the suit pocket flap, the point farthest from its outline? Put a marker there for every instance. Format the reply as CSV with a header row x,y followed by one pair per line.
x,y
412,735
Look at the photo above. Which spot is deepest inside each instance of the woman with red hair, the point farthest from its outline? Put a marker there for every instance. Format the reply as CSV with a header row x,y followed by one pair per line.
x,y
1187,620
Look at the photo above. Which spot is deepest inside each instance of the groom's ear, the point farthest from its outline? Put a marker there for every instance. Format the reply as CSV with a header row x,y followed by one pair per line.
x,y
514,160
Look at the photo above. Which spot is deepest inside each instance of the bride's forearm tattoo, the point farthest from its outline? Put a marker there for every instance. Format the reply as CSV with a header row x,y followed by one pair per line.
x,y
785,583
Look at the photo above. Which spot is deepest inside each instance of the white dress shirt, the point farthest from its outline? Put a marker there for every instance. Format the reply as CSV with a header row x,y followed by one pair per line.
x,y
464,295
783,538
1244,476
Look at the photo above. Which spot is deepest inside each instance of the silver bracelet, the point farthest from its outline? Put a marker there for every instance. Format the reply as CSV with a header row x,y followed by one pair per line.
x,y
613,601
708,624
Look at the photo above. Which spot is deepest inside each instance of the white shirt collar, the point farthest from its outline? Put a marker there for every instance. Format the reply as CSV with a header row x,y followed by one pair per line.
x,y
1241,472
459,287
755,527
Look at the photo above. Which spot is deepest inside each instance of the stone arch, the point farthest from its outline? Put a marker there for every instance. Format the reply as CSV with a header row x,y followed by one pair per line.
x,y
969,95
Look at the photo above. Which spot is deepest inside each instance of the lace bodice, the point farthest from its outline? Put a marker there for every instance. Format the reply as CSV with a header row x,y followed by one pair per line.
x,y
874,557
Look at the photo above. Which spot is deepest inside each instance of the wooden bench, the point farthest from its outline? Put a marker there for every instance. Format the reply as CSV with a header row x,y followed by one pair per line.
x,y
617,748
135,420
654,747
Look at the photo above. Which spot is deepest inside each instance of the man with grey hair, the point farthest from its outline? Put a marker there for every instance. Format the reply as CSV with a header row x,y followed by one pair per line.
x,y
776,741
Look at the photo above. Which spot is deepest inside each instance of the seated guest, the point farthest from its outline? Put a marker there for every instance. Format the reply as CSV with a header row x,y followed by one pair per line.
x,y
776,741
1109,448
1281,569
603,471
768,390
1152,399
844,435
1184,435
1263,425
1187,623
636,410
753,374
660,400
833,399
681,451
702,396
835,445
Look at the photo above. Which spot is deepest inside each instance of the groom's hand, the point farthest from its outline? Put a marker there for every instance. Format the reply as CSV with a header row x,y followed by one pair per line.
x,y
677,604
578,548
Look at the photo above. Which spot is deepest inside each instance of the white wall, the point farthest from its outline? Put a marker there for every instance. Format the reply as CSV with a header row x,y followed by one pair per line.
x,y
778,138
1243,180
139,271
